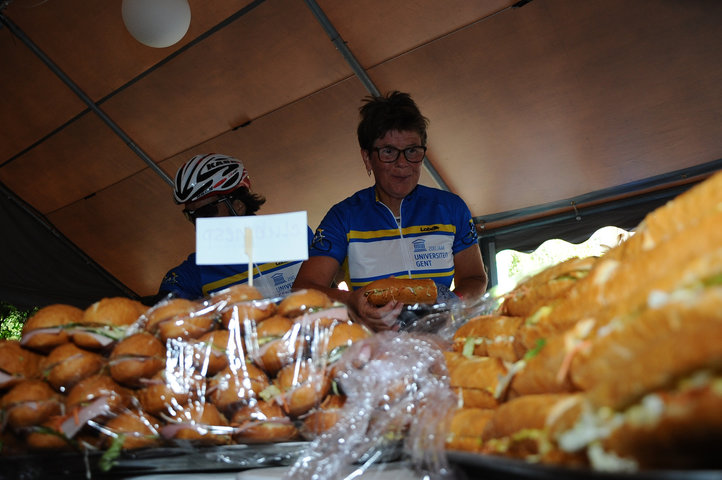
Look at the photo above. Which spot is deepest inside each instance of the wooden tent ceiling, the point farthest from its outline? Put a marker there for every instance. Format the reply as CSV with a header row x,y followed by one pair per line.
x,y
528,105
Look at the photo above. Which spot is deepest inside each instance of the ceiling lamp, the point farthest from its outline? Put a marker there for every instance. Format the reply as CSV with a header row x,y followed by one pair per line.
x,y
157,23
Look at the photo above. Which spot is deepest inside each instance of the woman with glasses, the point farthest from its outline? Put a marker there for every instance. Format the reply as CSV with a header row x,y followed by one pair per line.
x,y
216,185
395,227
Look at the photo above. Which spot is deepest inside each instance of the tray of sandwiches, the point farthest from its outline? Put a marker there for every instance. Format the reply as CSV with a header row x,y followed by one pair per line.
x,y
230,382
606,366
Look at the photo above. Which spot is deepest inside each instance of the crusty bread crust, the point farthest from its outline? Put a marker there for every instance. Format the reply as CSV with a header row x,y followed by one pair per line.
x,y
475,379
68,364
684,432
300,301
616,287
678,215
465,427
543,372
491,335
405,290
529,412
552,282
651,349
50,317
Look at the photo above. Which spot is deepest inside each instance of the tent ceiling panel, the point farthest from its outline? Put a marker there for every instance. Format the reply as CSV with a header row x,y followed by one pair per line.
x,y
34,101
236,75
83,159
379,30
89,42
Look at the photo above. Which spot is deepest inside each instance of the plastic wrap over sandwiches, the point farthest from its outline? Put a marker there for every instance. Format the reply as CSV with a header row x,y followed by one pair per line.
x,y
234,368
611,363
120,381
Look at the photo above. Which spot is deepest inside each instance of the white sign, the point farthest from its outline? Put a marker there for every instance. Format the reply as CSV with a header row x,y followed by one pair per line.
x,y
273,238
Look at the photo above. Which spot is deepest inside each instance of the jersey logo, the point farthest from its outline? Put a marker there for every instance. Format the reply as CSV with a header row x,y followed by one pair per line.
x,y
320,242
171,278
278,278
471,235
419,245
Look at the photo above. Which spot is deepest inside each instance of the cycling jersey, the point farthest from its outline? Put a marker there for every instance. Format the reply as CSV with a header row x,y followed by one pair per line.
x,y
363,235
188,280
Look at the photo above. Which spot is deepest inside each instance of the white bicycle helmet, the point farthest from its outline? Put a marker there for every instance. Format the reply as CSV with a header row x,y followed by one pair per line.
x,y
209,174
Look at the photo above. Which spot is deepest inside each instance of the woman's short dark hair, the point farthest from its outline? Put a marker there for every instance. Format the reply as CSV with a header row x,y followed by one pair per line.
x,y
253,201
381,114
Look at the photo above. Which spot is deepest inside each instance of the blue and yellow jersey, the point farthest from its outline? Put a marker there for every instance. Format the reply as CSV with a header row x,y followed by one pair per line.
x,y
362,234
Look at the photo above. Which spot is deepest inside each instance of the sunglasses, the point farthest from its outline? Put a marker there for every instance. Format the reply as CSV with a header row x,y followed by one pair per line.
x,y
209,210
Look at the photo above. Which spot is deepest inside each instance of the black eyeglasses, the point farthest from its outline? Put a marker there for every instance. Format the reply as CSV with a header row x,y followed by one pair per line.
x,y
389,154
209,210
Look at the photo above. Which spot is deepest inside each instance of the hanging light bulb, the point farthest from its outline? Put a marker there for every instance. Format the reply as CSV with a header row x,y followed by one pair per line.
x,y
157,23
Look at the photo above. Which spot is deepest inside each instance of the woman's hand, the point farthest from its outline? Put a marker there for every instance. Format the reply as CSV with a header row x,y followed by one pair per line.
x,y
376,318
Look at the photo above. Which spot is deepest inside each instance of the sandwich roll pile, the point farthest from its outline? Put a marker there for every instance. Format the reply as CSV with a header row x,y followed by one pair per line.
x,y
231,368
613,363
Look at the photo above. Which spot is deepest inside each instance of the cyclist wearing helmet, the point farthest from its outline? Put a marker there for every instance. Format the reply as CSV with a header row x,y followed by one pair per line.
x,y
215,185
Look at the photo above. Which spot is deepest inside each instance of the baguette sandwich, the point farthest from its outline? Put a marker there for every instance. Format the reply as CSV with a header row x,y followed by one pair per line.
x,y
490,335
405,290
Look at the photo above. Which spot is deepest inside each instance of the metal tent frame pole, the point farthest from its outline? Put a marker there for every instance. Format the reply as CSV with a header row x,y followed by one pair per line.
x,y
362,75
83,96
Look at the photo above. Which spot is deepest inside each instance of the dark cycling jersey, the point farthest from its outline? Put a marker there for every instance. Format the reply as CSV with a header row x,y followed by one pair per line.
x,y
188,280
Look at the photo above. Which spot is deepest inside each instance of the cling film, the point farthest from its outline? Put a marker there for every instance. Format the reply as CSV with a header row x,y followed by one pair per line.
x,y
229,371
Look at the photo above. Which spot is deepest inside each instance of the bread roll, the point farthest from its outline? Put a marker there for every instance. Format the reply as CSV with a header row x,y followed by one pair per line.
x,y
162,395
135,358
198,422
262,422
28,403
234,387
46,328
274,343
475,380
213,349
17,363
324,416
490,335
302,301
68,364
303,385
106,321
465,428
132,430
404,290
180,319
552,282
651,349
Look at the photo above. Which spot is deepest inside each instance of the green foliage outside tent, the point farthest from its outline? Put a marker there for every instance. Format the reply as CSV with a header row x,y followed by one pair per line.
x,y
12,320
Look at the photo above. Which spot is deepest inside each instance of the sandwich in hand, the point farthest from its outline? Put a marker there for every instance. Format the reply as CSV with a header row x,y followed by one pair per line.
x,y
405,290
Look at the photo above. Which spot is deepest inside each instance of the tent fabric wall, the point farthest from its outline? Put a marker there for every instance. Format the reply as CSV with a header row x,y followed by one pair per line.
x,y
41,267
